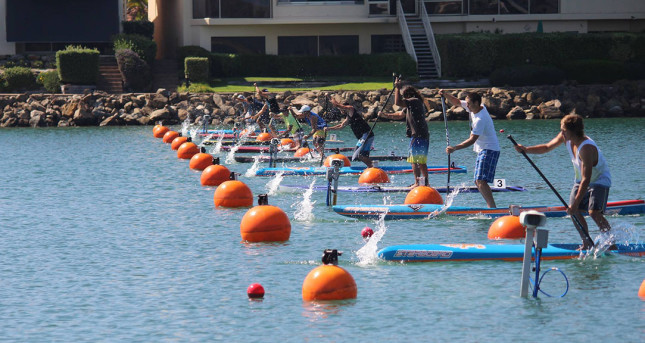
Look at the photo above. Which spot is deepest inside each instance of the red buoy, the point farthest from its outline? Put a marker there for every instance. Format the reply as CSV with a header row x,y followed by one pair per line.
x,y
159,131
265,223
187,150
287,143
329,282
255,291
301,152
233,193
367,232
641,291
507,227
263,137
170,136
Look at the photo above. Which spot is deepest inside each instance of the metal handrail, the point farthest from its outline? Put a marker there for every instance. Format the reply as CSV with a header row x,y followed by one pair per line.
x,y
430,34
405,31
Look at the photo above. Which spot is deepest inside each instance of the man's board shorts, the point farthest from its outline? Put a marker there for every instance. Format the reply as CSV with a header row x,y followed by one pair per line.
x,y
595,198
366,147
418,150
486,165
320,136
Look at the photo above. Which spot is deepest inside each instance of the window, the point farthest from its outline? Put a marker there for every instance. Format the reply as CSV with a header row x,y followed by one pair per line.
x,y
379,7
387,43
444,7
514,6
544,6
301,45
205,9
483,7
338,45
238,45
314,1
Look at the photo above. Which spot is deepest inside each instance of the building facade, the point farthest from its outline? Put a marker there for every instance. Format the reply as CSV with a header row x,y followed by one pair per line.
x,y
45,26
332,27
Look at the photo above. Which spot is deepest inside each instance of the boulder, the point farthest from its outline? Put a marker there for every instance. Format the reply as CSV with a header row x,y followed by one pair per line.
x,y
516,113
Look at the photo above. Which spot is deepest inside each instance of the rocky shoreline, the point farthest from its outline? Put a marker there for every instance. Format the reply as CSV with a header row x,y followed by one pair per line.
x,y
621,99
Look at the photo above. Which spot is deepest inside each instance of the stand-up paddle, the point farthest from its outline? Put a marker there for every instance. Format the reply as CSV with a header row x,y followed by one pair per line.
x,y
300,131
445,121
577,223
361,141
322,150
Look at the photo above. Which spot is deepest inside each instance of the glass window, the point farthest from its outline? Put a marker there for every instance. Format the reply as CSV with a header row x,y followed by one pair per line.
x,y
483,7
338,45
302,45
238,45
387,43
514,6
444,7
246,8
205,9
379,8
544,6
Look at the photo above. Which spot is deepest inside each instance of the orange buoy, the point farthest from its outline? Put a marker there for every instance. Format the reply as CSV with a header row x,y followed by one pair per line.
x,y
329,282
287,143
265,223
507,227
187,150
346,162
301,152
233,193
200,161
641,291
159,131
214,175
263,137
423,195
177,142
373,175
169,136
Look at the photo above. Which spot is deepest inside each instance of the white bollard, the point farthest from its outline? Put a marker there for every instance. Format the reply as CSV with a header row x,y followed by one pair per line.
x,y
531,219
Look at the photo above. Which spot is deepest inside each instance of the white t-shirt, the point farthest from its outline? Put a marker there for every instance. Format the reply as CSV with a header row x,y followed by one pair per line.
x,y
482,125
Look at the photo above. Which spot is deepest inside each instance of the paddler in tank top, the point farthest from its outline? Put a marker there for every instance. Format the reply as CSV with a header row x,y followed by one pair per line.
x,y
359,127
318,126
592,178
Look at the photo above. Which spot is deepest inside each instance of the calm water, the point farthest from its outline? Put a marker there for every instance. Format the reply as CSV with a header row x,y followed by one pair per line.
x,y
107,236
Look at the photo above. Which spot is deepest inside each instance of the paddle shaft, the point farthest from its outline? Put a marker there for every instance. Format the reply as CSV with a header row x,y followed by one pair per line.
x,y
445,121
577,223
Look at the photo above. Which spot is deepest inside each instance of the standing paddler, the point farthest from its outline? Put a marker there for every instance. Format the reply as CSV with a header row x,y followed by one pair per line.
x,y
484,140
592,178
359,127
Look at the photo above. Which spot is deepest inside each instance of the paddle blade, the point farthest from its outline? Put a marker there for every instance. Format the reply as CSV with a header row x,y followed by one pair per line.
x,y
357,150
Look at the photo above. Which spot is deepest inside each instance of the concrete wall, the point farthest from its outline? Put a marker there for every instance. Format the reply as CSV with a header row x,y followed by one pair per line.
x,y
6,48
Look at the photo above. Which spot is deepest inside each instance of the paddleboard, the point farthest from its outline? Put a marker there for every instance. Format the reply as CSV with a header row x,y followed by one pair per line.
x,y
479,252
386,189
352,170
411,211
211,142
306,158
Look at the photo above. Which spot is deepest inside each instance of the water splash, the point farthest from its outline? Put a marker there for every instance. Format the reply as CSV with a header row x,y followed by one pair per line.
x,y
304,209
254,168
367,255
447,203
230,157
185,126
620,233
218,146
274,184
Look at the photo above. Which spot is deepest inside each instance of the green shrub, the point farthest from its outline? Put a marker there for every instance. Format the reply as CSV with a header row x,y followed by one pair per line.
x,y
19,78
191,51
78,65
144,47
595,71
196,69
3,84
49,80
134,71
139,27
526,75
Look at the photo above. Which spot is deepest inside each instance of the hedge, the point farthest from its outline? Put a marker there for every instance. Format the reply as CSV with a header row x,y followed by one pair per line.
x,y
478,54
144,47
526,75
144,28
135,71
19,78
50,81
78,65
196,69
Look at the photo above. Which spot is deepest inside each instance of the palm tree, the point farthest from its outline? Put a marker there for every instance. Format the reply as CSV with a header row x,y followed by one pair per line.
x,y
137,9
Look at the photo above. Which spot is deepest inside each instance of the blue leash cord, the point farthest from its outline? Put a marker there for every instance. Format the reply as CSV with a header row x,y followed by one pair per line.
x,y
538,278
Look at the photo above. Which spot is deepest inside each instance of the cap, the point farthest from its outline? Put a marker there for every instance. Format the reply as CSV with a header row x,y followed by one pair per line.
x,y
304,108
265,90
241,97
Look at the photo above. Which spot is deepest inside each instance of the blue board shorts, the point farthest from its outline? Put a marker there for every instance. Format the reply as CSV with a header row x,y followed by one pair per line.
x,y
366,147
595,198
418,151
486,165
